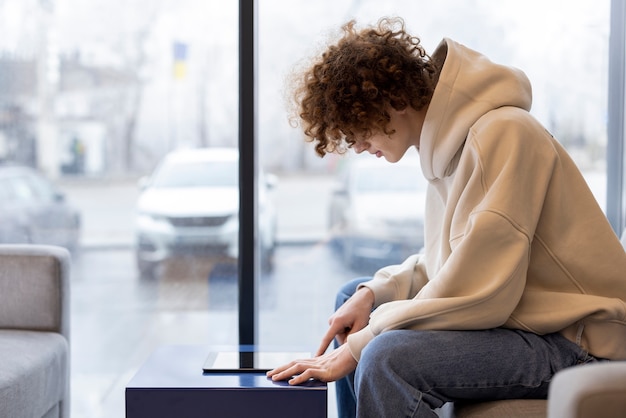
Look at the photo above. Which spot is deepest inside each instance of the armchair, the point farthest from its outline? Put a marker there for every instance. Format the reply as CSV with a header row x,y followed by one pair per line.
x,y
34,331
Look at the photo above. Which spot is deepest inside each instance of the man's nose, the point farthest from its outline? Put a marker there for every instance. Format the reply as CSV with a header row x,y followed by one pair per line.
x,y
359,147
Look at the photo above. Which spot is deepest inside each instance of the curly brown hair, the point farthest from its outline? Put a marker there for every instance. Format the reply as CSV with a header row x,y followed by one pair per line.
x,y
345,95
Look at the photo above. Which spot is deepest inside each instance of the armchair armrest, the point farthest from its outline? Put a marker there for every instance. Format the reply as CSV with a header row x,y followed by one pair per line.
x,y
34,288
589,391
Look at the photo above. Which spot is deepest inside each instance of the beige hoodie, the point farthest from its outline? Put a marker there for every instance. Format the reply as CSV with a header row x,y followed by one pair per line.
x,y
514,236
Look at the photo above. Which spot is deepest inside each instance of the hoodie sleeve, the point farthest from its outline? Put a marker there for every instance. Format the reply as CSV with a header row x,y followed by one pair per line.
x,y
395,282
482,280
480,294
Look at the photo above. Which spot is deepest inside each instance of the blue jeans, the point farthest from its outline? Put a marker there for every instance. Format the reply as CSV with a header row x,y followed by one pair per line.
x,y
408,373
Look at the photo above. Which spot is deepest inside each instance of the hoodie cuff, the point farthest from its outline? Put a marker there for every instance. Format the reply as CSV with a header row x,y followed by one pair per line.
x,y
385,283
358,341
384,291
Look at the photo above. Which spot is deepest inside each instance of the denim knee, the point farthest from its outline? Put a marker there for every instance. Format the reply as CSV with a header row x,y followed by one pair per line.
x,y
378,355
384,381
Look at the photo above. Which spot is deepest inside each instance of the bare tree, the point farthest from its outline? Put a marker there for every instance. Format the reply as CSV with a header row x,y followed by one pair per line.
x,y
114,34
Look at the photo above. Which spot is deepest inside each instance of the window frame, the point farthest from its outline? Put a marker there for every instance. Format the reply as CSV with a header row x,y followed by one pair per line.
x,y
615,123
248,160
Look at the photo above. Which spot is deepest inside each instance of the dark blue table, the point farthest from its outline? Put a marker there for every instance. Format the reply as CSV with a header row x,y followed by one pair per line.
x,y
171,384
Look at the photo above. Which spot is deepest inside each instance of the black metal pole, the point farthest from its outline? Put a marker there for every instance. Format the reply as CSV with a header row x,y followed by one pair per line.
x,y
247,173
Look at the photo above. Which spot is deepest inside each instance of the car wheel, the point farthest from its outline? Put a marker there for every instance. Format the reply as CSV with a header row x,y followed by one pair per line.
x,y
74,245
267,259
147,269
347,250
335,227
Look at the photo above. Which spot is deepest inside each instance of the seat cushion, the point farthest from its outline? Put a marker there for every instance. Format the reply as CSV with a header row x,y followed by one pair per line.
x,y
34,372
526,408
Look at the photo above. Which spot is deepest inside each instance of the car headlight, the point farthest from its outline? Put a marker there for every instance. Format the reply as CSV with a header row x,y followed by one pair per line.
x,y
152,219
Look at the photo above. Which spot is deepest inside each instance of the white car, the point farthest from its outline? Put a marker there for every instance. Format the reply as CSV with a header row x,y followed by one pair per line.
x,y
376,213
190,206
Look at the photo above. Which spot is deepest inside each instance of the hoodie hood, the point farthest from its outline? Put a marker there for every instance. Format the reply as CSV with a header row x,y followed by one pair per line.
x,y
469,86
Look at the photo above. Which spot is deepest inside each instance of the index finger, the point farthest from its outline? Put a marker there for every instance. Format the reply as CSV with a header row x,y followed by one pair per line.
x,y
326,340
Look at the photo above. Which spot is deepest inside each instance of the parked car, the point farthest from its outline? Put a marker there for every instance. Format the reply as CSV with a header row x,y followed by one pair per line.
x,y
376,214
34,211
190,206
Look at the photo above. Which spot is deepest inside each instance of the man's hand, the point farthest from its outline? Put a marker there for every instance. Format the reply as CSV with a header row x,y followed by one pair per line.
x,y
327,368
351,317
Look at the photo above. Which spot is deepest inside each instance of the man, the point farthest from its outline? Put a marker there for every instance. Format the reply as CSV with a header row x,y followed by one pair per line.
x,y
521,274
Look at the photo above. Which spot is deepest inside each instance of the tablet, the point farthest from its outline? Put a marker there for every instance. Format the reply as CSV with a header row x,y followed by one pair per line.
x,y
249,361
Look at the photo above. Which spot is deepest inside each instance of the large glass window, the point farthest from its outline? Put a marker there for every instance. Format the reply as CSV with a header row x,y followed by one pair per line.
x,y
95,94
333,229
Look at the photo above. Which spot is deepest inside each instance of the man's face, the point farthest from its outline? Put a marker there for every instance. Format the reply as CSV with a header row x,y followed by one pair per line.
x,y
405,133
